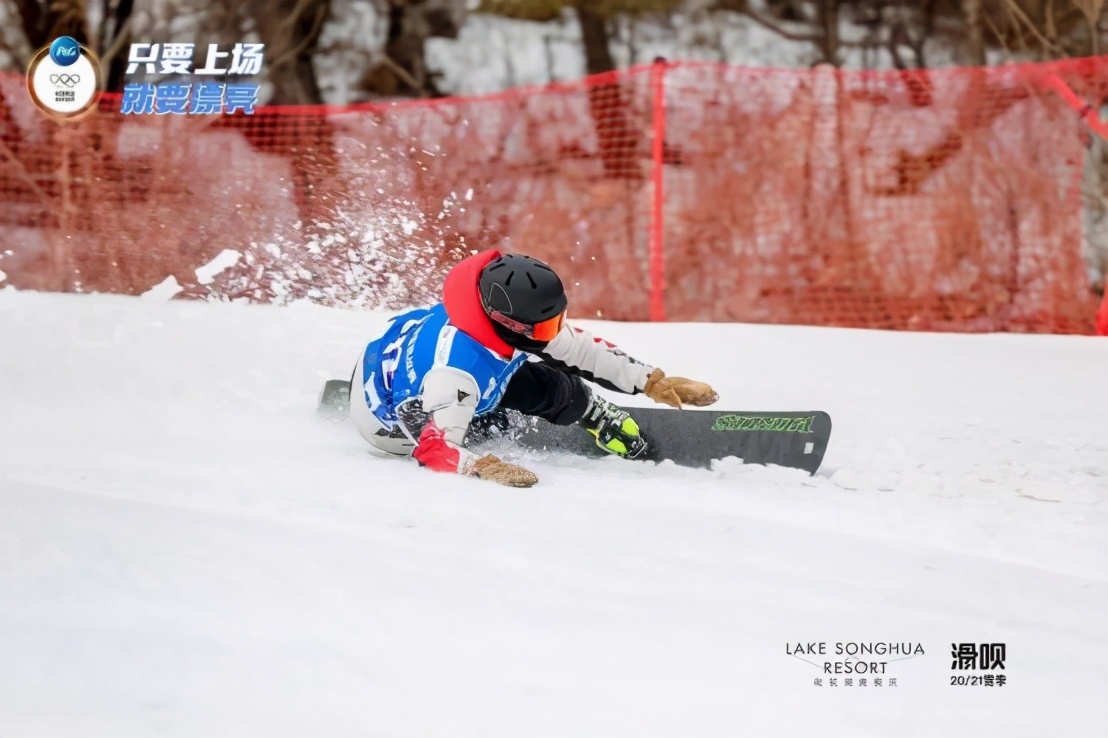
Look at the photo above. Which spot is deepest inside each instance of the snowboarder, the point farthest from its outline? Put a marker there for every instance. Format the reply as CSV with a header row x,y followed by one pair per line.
x,y
498,340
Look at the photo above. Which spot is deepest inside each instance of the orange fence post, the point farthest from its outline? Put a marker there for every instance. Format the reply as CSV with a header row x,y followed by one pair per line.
x,y
1102,314
657,222
1086,110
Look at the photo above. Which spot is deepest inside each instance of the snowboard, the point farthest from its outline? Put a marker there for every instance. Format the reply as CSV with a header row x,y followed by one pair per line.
x,y
691,437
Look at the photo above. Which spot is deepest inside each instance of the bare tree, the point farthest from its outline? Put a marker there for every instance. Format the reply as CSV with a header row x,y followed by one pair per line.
x,y
402,69
594,39
114,37
786,11
902,27
1093,10
618,138
828,21
290,30
975,37
45,20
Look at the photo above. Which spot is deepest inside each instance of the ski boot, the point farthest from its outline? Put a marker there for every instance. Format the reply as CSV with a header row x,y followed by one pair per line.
x,y
615,431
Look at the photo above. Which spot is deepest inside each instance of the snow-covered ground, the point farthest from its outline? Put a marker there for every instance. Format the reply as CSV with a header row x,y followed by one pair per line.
x,y
187,549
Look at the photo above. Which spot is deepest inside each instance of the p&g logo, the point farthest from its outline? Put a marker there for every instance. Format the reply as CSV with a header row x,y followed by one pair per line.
x,y
63,79
64,51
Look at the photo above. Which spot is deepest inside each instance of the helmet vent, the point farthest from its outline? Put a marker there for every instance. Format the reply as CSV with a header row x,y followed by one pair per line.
x,y
508,281
534,284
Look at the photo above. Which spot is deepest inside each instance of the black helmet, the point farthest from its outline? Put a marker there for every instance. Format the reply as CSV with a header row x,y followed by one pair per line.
x,y
525,300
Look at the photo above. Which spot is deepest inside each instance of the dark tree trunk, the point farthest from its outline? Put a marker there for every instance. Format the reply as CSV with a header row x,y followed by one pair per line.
x,y
32,16
829,27
290,30
975,39
118,67
45,20
617,139
404,69
594,34
408,32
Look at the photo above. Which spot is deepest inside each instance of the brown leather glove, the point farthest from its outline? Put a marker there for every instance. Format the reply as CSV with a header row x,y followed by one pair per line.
x,y
676,390
491,468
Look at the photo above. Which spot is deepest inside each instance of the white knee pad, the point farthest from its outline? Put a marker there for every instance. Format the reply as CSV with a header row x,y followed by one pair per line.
x,y
390,440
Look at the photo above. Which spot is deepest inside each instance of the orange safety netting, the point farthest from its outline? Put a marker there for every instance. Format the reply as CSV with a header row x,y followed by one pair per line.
x,y
938,199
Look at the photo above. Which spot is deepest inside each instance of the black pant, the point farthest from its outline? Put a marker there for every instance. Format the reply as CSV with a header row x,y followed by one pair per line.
x,y
541,390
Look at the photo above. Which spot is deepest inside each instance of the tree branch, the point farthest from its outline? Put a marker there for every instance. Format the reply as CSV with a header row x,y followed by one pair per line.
x,y
996,32
1016,11
31,15
306,42
121,36
772,25
287,27
404,75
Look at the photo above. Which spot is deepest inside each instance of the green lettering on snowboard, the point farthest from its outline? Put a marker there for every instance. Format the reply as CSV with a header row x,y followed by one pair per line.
x,y
763,423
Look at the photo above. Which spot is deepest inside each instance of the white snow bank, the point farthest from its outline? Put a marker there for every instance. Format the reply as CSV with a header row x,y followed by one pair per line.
x,y
163,290
185,549
224,260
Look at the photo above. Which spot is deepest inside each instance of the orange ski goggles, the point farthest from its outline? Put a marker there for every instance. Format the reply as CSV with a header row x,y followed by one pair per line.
x,y
544,331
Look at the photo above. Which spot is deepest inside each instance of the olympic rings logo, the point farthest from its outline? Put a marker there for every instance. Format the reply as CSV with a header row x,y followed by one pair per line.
x,y
67,80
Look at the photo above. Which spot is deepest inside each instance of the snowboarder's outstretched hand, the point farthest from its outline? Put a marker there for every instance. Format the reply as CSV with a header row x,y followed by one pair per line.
x,y
673,391
492,468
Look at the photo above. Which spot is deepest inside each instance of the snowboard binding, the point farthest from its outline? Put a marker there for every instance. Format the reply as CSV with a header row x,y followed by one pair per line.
x,y
614,429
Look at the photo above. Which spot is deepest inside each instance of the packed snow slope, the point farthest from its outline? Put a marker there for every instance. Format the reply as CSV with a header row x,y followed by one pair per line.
x,y
186,549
